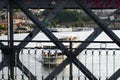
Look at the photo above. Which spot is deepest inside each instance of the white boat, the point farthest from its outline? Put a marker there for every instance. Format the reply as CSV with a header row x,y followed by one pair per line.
x,y
52,57
51,54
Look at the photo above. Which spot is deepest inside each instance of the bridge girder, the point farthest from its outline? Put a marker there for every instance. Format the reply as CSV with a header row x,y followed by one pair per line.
x,y
94,4
41,25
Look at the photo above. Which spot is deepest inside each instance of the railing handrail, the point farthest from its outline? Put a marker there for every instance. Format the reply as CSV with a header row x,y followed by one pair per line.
x,y
60,41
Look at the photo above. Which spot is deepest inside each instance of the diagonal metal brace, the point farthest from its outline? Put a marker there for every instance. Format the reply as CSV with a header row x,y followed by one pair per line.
x,y
25,70
83,45
76,52
115,76
100,23
42,26
36,30
2,4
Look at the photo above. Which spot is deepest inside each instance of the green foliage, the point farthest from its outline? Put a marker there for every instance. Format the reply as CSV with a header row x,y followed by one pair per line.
x,y
3,27
68,16
53,23
17,10
32,26
86,18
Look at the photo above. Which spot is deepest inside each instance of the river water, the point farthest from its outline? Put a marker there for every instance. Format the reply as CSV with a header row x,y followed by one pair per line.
x,y
101,65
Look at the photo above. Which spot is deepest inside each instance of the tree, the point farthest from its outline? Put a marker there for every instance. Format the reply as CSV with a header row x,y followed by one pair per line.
x,y
3,27
66,15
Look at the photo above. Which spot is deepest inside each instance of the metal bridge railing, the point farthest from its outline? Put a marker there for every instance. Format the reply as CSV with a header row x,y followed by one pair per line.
x,y
100,58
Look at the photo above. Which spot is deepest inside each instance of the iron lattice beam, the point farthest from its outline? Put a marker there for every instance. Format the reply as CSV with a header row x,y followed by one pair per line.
x,y
29,37
94,4
42,26
76,52
115,14
115,76
35,31
48,19
2,5
99,22
104,27
25,71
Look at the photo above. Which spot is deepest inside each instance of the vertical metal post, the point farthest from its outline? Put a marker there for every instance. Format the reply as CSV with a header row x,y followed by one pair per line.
x,y
10,33
11,22
71,66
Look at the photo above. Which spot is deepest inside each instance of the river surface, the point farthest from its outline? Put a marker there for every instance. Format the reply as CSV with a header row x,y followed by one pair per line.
x,y
102,66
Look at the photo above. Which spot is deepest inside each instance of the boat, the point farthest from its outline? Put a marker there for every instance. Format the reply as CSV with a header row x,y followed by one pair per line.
x,y
51,55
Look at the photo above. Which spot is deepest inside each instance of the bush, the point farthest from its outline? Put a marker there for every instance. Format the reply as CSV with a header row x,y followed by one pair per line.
x,y
2,27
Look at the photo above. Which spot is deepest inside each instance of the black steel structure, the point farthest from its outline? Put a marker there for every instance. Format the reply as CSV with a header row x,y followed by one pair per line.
x,y
10,50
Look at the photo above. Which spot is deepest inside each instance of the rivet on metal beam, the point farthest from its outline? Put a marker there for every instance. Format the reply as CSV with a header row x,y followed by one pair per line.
x,y
53,2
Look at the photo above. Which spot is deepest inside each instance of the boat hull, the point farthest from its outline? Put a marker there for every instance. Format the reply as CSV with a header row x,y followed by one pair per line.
x,y
52,60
